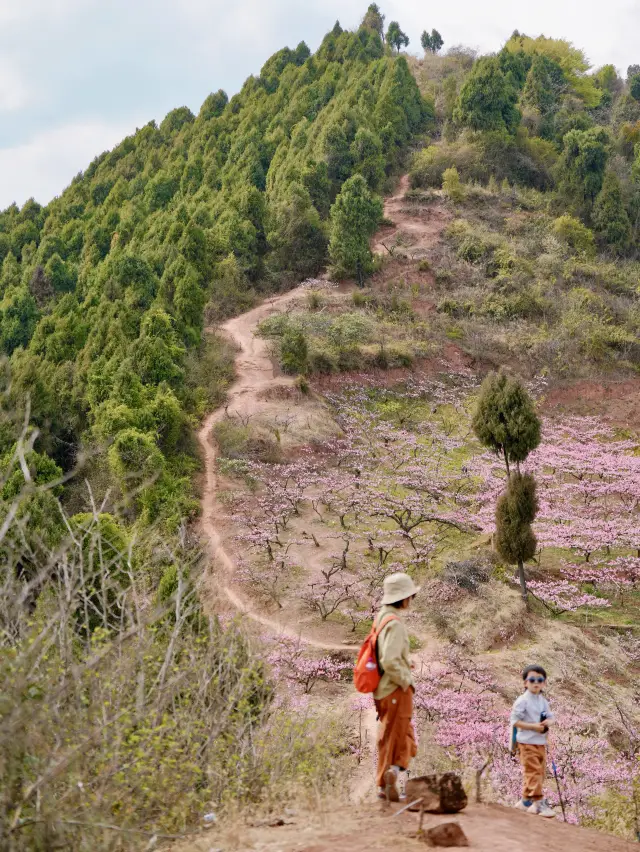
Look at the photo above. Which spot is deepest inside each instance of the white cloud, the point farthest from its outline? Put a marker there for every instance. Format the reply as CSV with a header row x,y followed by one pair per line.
x,y
14,93
44,166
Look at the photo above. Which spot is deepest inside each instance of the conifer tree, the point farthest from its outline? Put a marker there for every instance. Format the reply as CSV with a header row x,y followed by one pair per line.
x,y
516,510
487,99
354,218
610,217
505,419
374,20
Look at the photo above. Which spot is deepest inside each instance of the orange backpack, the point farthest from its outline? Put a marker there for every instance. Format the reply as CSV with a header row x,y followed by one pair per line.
x,y
367,673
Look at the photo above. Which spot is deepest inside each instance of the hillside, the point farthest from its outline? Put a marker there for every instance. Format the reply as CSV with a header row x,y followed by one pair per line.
x,y
240,390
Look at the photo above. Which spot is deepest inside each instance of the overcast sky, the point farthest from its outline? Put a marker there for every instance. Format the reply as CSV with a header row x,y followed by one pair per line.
x,y
78,75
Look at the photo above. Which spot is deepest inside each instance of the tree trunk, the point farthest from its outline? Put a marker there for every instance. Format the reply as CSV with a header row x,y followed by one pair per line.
x,y
523,583
506,461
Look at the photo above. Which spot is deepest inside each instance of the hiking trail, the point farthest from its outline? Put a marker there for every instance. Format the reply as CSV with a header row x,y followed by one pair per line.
x,y
255,377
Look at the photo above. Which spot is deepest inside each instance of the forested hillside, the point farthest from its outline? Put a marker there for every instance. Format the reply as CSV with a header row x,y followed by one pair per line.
x,y
104,292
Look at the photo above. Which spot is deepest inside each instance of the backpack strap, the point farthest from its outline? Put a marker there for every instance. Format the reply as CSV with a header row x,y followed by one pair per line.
x,y
378,630
376,633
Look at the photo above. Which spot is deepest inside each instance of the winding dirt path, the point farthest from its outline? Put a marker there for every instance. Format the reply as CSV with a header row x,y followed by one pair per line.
x,y
255,375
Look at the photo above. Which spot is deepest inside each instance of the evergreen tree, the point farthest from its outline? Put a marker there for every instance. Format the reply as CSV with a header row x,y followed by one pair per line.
x,y
297,238
368,159
544,87
505,419
487,100
354,218
581,168
634,87
395,37
516,510
374,20
610,218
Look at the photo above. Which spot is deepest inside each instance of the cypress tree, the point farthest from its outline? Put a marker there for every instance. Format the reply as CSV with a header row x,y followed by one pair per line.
x,y
505,420
610,216
516,510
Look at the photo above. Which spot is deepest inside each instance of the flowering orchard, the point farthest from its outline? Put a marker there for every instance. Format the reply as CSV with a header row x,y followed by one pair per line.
x,y
388,495
589,492
463,705
406,483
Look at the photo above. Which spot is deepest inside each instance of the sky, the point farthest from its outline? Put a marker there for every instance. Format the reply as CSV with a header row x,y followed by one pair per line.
x,y
76,76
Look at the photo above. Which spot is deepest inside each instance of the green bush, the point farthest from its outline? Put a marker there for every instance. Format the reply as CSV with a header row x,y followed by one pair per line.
x,y
451,185
323,361
294,353
575,234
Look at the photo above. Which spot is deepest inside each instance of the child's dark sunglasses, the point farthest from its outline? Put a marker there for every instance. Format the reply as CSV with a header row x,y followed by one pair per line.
x,y
535,680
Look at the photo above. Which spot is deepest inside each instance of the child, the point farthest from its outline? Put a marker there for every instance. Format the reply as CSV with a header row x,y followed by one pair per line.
x,y
531,715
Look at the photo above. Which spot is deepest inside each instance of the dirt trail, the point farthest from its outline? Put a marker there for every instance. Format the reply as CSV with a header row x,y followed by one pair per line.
x,y
255,375
254,378
489,828
414,228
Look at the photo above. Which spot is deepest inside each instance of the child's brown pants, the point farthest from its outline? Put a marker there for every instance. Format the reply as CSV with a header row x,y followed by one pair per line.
x,y
534,766
396,739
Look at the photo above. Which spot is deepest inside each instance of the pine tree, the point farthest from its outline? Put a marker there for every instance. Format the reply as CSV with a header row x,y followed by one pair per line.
x,y
354,218
610,217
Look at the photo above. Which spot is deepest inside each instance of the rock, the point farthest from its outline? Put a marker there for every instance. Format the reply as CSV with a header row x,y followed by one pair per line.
x,y
427,788
440,794
452,795
446,834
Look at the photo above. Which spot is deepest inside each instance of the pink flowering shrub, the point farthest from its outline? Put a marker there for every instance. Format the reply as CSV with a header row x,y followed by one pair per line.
x,y
290,662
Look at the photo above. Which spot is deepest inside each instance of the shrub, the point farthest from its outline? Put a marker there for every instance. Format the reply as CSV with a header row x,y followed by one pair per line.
x,y
322,361
232,439
576,235
451,185
469,574
294,352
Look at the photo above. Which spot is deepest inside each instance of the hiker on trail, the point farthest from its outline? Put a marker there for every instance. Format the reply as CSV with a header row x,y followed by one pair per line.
x,y
530,717
394,695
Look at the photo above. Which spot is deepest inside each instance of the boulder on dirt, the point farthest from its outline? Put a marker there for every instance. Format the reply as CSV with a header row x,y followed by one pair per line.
x,y
446,834
439,794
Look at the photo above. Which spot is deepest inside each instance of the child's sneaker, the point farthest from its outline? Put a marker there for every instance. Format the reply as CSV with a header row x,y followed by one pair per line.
x,y
542,808
524,805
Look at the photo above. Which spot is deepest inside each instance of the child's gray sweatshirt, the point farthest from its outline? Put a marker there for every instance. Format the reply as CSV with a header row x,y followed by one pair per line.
x,y
528,708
